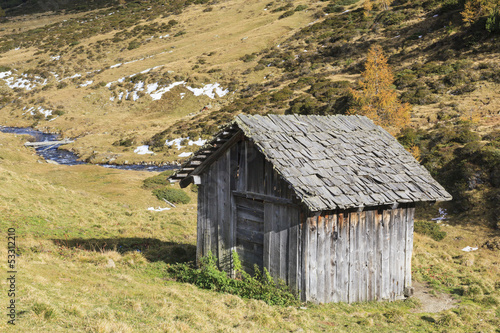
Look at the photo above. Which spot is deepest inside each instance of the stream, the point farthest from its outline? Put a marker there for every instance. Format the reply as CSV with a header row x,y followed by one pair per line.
x,y
65,157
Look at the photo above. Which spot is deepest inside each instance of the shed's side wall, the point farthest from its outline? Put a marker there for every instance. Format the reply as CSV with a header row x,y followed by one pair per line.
x,y
236,185
355,256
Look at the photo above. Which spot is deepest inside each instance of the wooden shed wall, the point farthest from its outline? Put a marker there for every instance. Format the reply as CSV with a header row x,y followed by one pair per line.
x,y
243,204
349,256
352,256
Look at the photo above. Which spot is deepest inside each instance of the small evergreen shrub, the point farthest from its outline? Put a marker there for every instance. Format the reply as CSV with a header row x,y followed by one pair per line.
x,y
286,14
431,229
157,181
172,195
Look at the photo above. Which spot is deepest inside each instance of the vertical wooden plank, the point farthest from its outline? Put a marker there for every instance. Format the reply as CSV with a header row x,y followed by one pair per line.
x,y
343,255
327,253
353,257
276,244
242,166
234,169
305,257
401,249
268,231
223,191
312,249
299,251
199,222
363,256
320,260
393,252
284,225
409,246
205,224
378,254
385,254
335,294
371,237
293,249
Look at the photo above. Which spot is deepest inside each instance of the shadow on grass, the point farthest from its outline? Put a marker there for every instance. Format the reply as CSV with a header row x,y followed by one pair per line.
x,y
152,249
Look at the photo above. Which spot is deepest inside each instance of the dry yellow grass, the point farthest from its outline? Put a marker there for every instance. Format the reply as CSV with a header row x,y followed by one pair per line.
x,y
64,217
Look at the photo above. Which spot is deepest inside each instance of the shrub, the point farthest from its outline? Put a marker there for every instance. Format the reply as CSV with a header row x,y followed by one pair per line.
x,y
172,195
260,286
286,14
133,45
431,229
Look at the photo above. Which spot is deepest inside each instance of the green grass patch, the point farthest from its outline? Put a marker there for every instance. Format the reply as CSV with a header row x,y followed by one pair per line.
x,y
431,229
172,195
260,286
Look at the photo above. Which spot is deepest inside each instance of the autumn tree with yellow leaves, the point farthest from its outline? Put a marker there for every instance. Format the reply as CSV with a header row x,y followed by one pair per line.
x,y
475,9
377,98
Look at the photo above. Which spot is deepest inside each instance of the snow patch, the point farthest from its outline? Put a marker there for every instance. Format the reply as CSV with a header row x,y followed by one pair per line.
x,y
87,83
159,209
185,154
115,65
209,90
198,142
469,249
176,142
143,150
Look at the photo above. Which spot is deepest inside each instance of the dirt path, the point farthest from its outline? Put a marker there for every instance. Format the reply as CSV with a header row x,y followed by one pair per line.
x,y
431,303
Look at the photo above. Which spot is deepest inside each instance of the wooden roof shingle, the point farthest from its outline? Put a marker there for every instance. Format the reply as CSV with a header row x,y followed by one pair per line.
x,y
347,161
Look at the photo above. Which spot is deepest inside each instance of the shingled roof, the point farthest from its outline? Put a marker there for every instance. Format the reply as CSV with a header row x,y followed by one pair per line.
x,y
330,161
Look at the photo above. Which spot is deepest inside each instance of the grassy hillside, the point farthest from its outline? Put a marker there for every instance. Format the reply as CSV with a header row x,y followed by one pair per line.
x,y
70,224
116,75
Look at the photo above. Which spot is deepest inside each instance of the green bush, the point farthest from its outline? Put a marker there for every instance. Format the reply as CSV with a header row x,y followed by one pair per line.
x,y
158,181
133,45
260,286
172,195
431,229
286,14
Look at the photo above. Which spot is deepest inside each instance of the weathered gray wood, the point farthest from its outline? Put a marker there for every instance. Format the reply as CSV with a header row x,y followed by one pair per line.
x,y
268,231
378,251
263,197
385,255
320,259
212,158
312,249
401,250
327,253
304,246
199,224
352,257
293,249
282,232
275,249
393,255
409,246
48,143
369,260
364,252
343,257
334,267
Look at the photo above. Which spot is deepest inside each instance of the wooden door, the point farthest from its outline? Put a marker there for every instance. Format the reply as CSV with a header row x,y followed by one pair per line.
x,y
250,232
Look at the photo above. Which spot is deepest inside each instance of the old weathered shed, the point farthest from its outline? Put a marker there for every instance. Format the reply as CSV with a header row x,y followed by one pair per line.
x,y
325,203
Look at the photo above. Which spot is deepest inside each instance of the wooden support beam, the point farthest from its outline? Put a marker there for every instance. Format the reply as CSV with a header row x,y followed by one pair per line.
x,y
48,143
263,197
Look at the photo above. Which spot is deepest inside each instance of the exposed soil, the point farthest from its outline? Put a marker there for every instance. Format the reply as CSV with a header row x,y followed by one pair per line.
x,y
431,302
